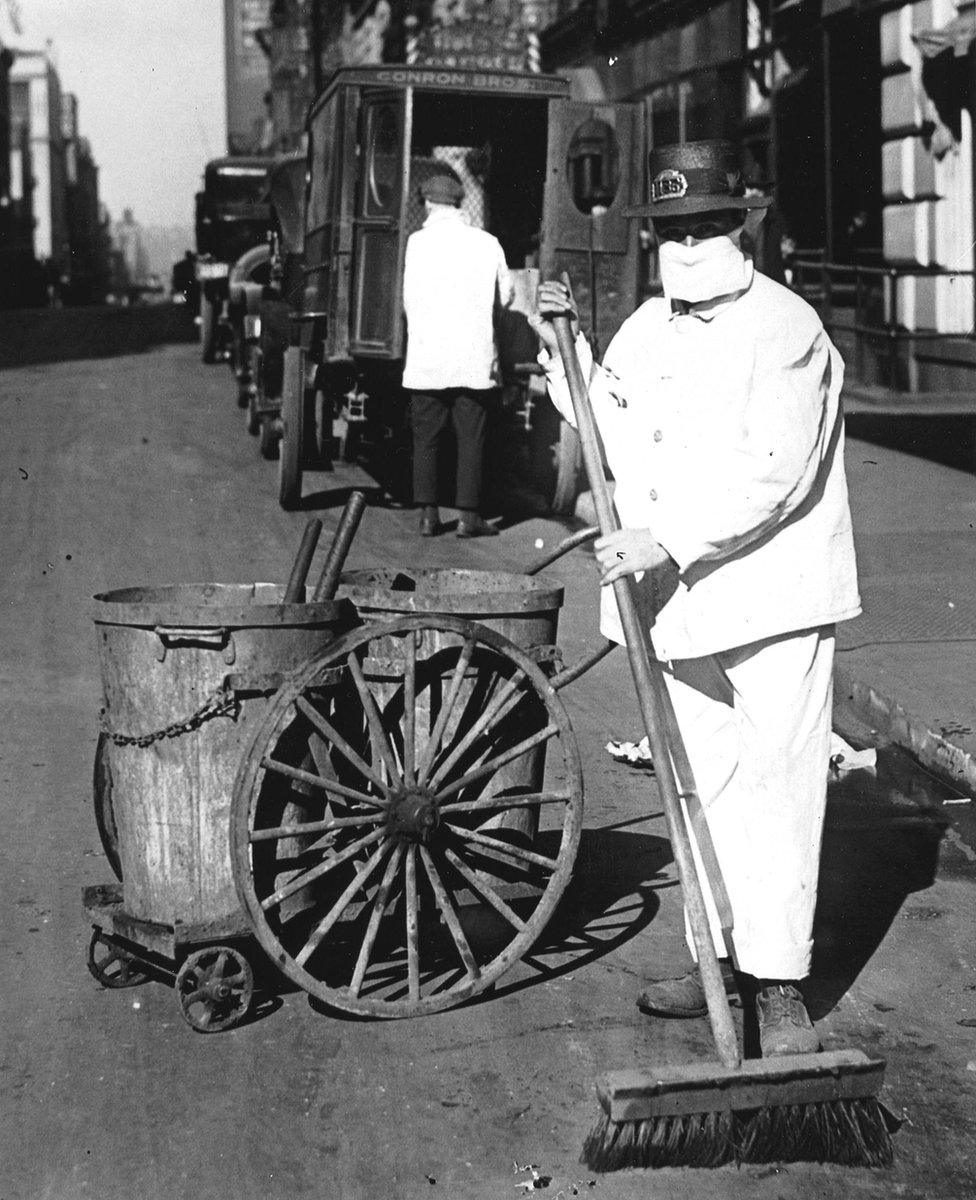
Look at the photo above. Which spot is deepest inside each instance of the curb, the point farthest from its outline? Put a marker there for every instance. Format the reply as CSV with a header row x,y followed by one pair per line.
x,y
947,761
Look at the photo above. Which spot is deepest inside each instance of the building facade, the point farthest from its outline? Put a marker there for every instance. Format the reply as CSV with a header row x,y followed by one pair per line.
x,y
857,114
246,73
39,173
287,44
88,268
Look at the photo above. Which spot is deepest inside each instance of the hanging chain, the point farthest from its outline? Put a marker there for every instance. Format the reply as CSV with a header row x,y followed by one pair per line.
x,y
222,701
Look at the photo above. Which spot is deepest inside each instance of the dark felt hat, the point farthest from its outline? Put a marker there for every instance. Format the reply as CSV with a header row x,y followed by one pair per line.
x,y
443,189
693,177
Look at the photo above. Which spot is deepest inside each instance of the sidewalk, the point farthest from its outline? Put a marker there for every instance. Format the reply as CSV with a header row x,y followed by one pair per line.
x,y
907,666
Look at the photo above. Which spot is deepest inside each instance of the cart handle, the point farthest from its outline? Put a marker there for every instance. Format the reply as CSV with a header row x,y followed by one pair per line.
x,y
564,547
568,674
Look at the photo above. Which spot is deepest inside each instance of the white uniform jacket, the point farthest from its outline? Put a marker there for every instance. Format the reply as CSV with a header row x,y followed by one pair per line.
x,y
725,437
453,276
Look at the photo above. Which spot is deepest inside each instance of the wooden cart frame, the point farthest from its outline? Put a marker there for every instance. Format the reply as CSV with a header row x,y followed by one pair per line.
x,y
397,837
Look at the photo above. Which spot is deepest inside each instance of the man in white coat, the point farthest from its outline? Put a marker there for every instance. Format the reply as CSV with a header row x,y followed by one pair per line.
x,y
453,277
718,407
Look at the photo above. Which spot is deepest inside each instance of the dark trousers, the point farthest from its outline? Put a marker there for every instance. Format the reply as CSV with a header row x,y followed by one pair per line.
x,y
430,413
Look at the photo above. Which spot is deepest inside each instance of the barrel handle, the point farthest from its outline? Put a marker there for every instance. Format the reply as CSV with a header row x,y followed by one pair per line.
x,y
568,543
181,635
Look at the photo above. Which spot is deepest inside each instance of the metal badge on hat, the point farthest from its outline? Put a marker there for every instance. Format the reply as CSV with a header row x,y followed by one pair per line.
x,y
668,185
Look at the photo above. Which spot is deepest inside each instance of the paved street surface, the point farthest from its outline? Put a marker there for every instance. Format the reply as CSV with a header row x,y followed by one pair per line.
x,y
136,471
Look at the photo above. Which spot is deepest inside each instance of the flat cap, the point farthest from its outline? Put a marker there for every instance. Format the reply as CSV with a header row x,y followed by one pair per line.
x,y
442,189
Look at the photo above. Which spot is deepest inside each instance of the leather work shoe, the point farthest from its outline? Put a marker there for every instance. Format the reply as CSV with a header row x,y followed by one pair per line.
x,y
469,527
684,996
784,1026
429,522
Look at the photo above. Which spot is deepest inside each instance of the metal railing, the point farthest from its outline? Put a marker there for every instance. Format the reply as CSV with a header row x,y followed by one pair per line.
x,y
872,292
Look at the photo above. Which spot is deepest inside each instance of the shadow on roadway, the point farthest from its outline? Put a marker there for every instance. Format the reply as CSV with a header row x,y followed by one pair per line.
x,y
881,844
610,899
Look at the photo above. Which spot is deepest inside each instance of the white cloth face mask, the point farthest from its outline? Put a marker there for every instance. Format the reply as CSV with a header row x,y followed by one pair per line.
x,y
709,268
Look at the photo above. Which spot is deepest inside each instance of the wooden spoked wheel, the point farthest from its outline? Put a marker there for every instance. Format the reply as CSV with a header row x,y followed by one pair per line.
x,y
407,817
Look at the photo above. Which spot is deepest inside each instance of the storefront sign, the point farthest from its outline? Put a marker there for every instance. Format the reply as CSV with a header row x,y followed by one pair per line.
x,y
485,45
465,80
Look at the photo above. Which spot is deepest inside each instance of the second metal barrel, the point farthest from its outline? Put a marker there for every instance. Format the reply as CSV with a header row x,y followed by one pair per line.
x,y
523,608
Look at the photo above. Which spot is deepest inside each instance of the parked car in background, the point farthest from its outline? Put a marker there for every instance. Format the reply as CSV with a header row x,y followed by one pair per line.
x,y
232,217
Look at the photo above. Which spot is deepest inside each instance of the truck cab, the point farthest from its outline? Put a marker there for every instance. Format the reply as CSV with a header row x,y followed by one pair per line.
x,y
549,177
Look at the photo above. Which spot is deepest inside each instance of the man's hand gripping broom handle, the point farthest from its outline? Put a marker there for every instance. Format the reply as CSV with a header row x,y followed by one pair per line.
x,y
651,696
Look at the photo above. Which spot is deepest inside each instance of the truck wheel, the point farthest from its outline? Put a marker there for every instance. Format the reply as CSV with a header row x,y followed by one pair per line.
x,y
208,329
269,438
290,456
254,391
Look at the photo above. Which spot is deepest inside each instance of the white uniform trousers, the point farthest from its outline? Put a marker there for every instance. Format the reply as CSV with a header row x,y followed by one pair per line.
x,y
756,722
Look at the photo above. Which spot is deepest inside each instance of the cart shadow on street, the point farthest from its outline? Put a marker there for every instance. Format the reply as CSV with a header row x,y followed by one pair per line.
x,y
610,900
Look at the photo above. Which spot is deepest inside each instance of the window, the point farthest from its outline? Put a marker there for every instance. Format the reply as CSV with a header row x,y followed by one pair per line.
x,y
382,177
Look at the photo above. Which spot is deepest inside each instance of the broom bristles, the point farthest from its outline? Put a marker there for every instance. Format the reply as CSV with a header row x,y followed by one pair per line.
x,y
853,1133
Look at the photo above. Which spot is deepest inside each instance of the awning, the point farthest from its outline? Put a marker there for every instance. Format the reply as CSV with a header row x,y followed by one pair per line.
x,y
957,36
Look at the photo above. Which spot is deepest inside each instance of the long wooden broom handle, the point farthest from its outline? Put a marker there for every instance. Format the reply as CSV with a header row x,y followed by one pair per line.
x,y
649,682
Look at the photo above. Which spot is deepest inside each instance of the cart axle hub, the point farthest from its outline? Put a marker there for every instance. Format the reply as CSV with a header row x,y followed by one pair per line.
x,y
413,815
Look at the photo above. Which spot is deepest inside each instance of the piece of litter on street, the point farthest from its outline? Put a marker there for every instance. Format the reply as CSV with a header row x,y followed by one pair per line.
x,y
537,1183
539,543
136,1005
959,800
634,754
844,758
971,1066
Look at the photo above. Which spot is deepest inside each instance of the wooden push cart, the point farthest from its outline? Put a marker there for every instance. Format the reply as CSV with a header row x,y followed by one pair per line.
x,y
393,817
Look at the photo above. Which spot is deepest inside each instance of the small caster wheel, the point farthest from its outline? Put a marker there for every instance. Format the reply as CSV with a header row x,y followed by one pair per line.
x,y
214,988
270,439
112,966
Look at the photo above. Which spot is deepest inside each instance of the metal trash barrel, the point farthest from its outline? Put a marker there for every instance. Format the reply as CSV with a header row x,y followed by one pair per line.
x,y
187,671
523,608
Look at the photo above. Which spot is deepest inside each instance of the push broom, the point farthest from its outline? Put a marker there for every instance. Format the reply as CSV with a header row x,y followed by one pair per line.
x,y
810,1107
